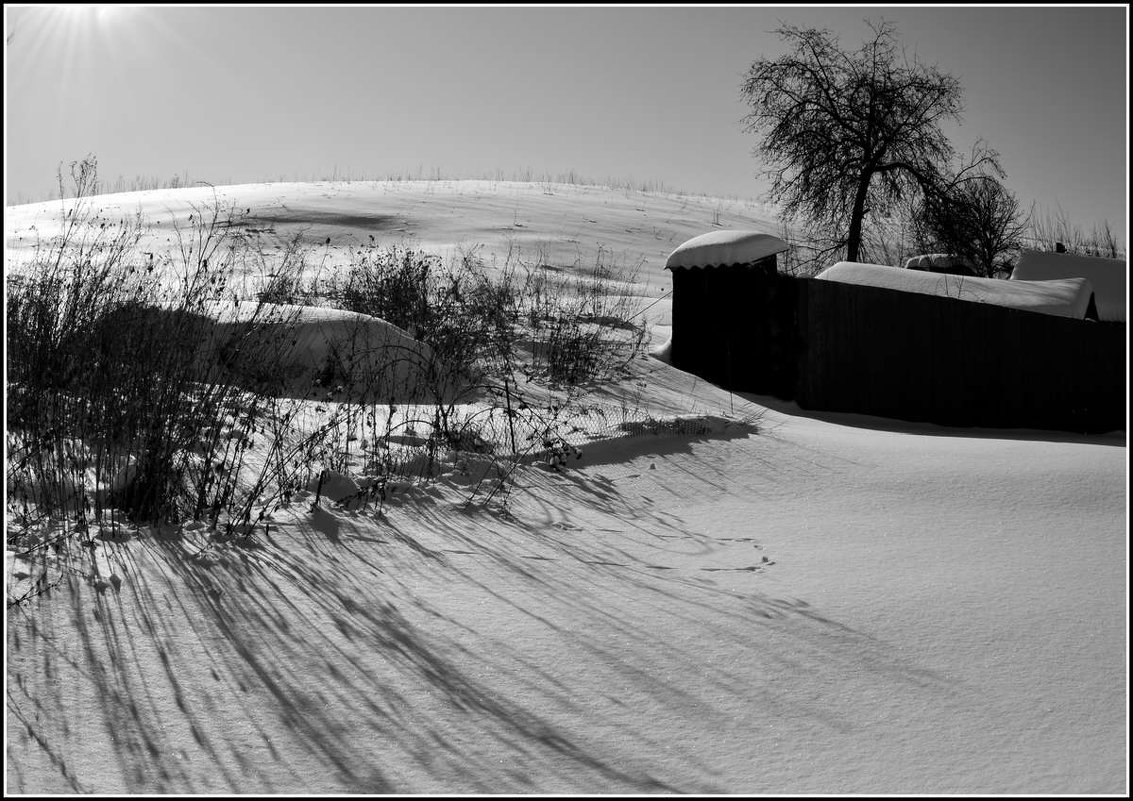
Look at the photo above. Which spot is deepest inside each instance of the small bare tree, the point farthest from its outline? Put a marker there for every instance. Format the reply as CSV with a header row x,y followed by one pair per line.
x,y
977,219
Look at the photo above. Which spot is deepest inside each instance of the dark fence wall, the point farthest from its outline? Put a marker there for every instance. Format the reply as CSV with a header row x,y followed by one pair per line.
x,y
919,357
737,327
841,347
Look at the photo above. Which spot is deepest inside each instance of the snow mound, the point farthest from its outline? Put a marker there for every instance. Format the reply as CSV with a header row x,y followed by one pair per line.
x,y
719,248
1068,297
1108,277
307,344
334,486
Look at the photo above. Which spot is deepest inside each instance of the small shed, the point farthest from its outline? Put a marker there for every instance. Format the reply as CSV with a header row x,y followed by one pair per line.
x,y
731,324
1109,277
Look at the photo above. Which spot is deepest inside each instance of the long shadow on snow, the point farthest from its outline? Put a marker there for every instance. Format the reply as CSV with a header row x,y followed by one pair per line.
x,y
308,646
360,661
872,422
605,593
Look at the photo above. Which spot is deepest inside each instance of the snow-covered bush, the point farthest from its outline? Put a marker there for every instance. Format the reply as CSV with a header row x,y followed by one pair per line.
x,y
104,353
147,385
122,398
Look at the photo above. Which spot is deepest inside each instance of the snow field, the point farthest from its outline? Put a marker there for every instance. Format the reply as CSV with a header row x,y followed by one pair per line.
x,y
724,595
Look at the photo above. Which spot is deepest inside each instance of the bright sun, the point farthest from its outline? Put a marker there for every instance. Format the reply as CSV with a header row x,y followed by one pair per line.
x,y
62,34
92,12
78,21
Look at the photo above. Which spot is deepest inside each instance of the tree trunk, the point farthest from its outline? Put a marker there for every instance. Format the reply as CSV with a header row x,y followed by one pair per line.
x,y
854,237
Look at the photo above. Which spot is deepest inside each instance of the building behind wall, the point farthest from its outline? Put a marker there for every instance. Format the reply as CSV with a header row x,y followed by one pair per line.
x,y
883,341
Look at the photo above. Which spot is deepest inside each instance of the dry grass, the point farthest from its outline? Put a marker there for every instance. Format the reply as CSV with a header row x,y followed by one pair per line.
x,y
129,401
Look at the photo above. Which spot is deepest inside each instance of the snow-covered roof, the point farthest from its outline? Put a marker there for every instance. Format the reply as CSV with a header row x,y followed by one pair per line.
x,y
1109,277
939,263
1068,297
720,248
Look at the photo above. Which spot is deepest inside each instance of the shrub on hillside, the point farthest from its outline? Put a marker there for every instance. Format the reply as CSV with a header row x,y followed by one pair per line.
x,y
581,330
126,394
112,372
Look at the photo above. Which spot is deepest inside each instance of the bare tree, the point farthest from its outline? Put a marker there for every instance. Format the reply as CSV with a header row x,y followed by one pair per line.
x,y
977,219
847,134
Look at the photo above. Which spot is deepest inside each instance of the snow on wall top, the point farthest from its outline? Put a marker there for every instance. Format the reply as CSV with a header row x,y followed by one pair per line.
x,y
719,248
1068,297
1108,277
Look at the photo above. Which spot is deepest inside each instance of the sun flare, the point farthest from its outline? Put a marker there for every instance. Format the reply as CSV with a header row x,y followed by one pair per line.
x,y
93,12
65,35
83,18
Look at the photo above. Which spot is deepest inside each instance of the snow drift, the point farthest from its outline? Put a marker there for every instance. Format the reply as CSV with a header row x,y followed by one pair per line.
x,y
1067,297
306,346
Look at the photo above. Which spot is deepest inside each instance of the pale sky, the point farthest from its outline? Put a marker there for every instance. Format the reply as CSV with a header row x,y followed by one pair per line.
x,y
239,94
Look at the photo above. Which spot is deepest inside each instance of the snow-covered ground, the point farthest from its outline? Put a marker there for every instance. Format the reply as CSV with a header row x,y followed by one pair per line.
x,y
567,226
767,602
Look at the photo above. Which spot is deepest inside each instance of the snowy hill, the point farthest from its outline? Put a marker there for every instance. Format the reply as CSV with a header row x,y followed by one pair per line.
x,y
718,594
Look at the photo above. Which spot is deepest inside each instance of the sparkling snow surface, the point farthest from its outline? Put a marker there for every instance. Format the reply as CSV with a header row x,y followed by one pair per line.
x,y
772,602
